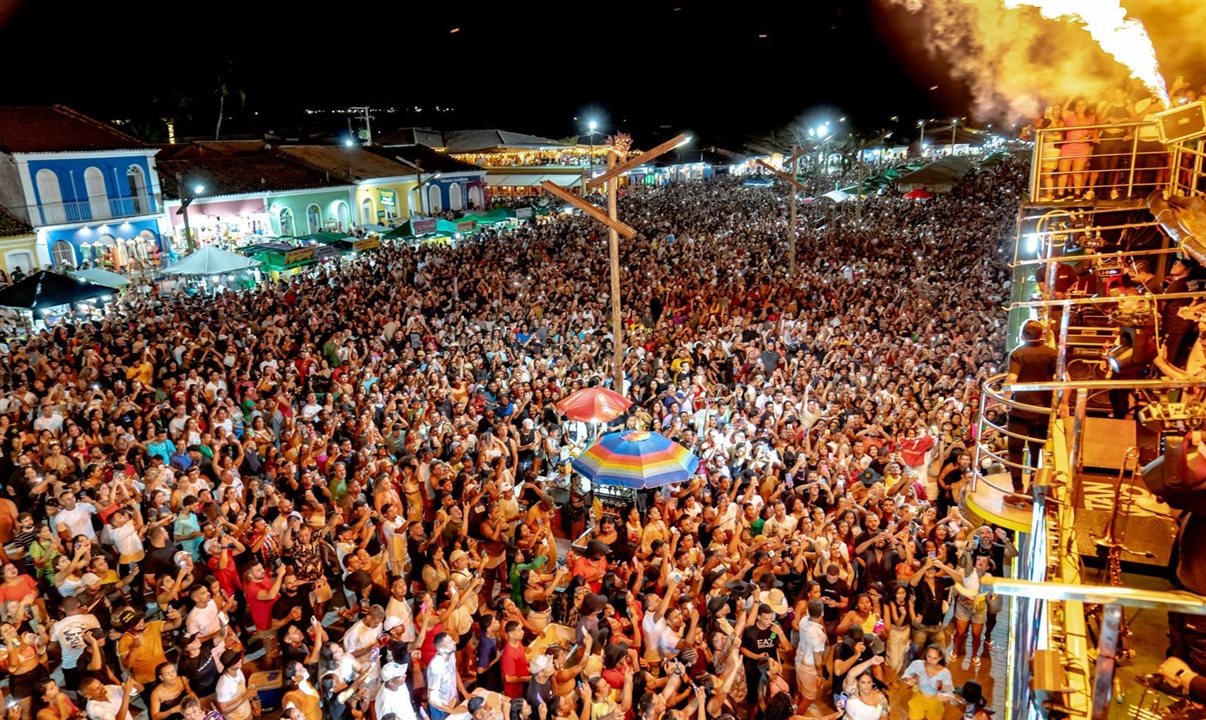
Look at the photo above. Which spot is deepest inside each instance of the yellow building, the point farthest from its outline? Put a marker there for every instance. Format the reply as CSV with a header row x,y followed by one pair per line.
x,y
18,245
383,186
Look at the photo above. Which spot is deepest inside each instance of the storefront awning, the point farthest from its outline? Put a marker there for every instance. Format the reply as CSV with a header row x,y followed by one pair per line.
x,y
530,179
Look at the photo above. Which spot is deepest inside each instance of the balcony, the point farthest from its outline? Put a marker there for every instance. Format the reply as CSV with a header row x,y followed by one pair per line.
x,y
1126,161
95,210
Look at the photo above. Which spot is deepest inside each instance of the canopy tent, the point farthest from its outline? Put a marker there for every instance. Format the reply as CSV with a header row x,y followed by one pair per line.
x,y
837,195
412,228
919,194
280,260
210,260
101,276
939,176
46,289
325,238
372,227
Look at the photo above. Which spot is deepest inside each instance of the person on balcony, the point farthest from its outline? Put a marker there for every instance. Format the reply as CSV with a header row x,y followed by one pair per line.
x,y
1032,361
1076,150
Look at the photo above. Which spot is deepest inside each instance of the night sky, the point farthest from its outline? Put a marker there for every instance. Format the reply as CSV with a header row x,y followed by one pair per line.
x,y
725,71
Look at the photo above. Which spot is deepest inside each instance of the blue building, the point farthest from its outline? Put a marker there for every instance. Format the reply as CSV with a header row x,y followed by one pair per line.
x,y
90,192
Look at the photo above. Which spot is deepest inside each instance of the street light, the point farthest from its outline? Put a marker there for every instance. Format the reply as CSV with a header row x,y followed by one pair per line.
x,y
954,126
615,229
921,141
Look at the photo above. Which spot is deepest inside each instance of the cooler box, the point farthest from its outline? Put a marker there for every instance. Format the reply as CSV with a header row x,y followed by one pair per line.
x,y
268,688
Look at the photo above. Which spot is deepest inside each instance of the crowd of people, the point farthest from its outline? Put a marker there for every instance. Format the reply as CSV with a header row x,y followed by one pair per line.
x,y
359,478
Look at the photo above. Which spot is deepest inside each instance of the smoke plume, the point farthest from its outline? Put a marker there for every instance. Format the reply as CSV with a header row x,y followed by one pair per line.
x,y
1015,61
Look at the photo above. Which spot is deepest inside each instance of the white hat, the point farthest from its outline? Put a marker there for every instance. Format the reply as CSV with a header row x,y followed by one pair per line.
x,y
393,671
540,663
90,580
527,423
392,622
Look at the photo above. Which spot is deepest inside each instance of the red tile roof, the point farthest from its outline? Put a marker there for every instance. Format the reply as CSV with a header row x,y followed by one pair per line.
x,y
13,226
58,129
236,170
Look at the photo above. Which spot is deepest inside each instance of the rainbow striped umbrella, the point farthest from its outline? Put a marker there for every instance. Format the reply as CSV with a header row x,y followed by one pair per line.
x,y
636,459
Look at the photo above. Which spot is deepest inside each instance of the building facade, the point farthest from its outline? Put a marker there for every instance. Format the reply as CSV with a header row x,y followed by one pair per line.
x,y
90,192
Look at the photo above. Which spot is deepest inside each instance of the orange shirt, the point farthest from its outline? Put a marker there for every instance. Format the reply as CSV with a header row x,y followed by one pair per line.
x,y
143,659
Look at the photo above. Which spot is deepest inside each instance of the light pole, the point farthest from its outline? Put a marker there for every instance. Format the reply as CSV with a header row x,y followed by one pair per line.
x,y
921,142
794,185
954,126
187,199
591,134
615,228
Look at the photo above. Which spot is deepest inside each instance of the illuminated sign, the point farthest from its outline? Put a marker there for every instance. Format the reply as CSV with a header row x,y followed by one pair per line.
x,y
299,255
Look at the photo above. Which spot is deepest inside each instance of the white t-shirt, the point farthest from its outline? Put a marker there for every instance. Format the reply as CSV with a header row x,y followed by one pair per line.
x,y
360,636
396,702
69,634
127,542
229,688
812,641
105,709
207,620
77,521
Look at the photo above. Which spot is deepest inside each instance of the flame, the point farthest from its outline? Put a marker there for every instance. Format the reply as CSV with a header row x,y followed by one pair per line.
x,y
1123,38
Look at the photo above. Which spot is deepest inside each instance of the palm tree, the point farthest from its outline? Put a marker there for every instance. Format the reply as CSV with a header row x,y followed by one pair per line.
x,y
225,89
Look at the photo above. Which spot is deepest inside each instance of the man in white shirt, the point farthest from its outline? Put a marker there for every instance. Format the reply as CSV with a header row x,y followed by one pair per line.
x,y
398,611
108,702
361,639
233,693
74,518
69,635
444,688
207,620
49,420
394,696
809,654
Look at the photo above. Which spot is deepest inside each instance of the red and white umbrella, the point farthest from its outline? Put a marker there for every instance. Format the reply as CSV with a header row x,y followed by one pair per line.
x,y
594,404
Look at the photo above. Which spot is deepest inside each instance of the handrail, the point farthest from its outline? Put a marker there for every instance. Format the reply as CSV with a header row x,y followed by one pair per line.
x,y
1094,256
1055,385
1100,126
999,397
1059,302
1177,601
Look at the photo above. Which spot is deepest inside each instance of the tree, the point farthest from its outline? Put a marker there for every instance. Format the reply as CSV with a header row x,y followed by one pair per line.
x,y
227,86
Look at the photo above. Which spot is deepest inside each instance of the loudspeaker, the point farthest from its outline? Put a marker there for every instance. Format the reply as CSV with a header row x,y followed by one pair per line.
x,y
1184,122
1085,369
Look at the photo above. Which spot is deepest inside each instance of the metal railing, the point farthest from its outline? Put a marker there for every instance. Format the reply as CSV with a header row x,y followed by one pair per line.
x,y
994,395
99,209
1120,161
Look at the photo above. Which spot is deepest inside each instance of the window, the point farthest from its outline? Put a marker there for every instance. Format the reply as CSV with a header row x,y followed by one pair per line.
x,y
98,197
475,197
286,218
366,212
313,219
138,191
50,198
62,254
433,200
343,216
454,196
